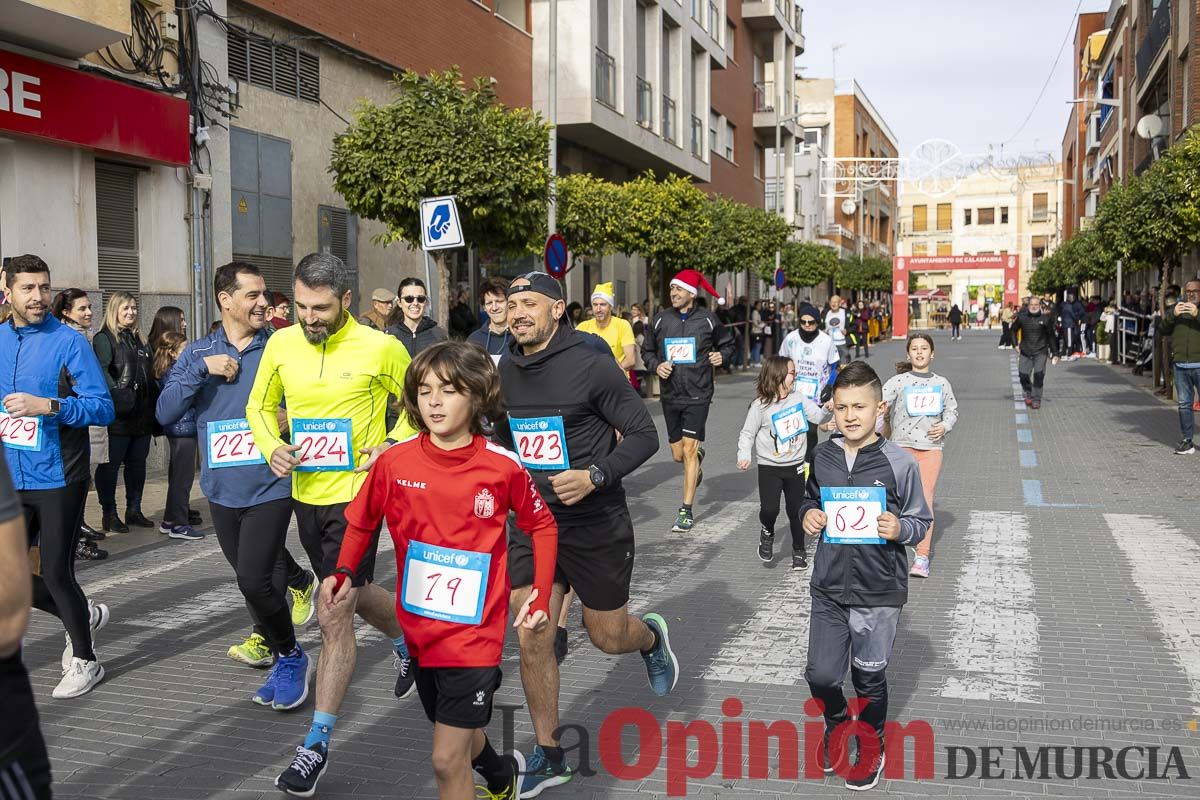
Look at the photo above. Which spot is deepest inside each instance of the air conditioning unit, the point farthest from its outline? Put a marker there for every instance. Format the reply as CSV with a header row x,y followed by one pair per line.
x,y
1093,132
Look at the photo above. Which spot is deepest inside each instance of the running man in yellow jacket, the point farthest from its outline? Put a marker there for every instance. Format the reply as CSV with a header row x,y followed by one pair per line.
x,y
334,376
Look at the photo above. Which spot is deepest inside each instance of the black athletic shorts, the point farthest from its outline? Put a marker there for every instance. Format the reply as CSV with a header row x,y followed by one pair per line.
x,y
684,421
596,560
321,531
460,697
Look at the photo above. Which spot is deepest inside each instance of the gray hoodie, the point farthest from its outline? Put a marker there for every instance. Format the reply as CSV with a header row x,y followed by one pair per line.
x,y
917,392
767,430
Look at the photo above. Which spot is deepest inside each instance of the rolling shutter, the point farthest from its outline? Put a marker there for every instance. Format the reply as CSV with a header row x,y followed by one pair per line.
x,y
945,219
920,218
116,228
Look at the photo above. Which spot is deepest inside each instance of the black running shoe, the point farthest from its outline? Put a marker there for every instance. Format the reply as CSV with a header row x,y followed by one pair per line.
x,y
560,645
766,545
406,675
86,550
869,780
300,778
799,561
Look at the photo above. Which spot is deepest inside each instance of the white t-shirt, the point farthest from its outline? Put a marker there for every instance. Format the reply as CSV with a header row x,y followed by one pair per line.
x,y
835,326
814,360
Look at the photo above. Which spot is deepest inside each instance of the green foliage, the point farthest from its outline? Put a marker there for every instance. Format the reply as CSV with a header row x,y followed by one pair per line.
x,y
589,214
865,274
740,237
664,221
804,264
439,137
1081,258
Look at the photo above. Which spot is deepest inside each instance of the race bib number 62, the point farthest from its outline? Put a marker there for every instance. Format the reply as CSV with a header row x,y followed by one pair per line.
x,y
540,442
325,445
853,514
21,433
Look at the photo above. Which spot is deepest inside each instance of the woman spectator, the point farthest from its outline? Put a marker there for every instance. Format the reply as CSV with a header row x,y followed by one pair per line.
x,y
73,307
168,319
757,334
181,441
282,308
575,314
125,360
408,322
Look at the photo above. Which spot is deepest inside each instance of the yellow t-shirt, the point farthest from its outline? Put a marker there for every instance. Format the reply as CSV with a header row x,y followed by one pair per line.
x,y
618,334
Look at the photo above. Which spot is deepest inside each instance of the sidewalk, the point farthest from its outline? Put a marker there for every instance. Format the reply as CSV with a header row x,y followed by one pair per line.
x,y
154,499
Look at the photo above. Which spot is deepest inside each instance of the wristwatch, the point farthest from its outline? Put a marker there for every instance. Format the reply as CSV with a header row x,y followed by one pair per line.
x,y
597,475
55,407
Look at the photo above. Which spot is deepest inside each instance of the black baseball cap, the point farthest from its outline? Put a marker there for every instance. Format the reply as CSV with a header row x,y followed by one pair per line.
x,y
539,282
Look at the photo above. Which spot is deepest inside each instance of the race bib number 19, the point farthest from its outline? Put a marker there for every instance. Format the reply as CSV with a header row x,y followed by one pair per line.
x,y
853,514
541,442
230,444
325,445
925,401
681,350
21,433
445,584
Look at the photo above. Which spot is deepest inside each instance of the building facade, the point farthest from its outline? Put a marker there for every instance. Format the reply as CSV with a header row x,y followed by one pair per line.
x,y
1081,140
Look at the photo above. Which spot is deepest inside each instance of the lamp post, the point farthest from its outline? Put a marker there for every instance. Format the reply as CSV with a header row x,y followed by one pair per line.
x,y
779,205
552,113
1117,102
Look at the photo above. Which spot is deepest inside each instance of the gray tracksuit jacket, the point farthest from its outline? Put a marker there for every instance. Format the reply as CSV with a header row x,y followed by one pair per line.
x,y
762,431
913,430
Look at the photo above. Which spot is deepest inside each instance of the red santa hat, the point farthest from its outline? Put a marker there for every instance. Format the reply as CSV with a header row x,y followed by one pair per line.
x,y
692,281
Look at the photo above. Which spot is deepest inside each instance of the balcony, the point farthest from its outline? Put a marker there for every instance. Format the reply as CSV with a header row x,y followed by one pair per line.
x,y
606,79
74,31
764,97
668,120
645,103
766,15
1158,34
697,137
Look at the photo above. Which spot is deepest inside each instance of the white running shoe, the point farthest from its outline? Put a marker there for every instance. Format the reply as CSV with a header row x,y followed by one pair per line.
x,y
99,614
80,678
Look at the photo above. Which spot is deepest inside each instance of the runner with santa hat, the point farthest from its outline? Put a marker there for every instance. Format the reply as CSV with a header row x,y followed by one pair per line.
x,y
682,345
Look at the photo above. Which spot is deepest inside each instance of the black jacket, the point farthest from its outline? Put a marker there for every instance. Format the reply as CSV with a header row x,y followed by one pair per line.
x,y
868,574
689,384
585,387
1037,333
125,359
428,334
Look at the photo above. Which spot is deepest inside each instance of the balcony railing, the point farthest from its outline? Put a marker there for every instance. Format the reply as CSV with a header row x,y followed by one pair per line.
x,y
606,78
645,103
764,96
668,120
697,137
1156,36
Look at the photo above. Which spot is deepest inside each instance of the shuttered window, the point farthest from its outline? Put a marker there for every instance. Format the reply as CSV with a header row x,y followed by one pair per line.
x,y
987,216
277,272
944,218
1041,206
278,67
337,234
920,218
116,228
945,249
920,249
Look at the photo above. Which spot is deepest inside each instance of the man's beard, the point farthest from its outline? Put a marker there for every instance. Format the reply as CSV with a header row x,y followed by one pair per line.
x,y
318,336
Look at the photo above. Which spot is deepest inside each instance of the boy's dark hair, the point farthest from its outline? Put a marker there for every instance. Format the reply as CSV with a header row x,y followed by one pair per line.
x,y
493,286
466,367
770,379
225,279
859,373
28,264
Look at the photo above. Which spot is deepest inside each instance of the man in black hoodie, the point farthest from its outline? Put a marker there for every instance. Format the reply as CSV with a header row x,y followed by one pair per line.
x,y
566,401
1038,342
683,345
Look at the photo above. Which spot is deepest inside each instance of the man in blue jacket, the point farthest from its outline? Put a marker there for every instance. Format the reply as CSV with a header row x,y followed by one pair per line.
x,y
251,508
52,390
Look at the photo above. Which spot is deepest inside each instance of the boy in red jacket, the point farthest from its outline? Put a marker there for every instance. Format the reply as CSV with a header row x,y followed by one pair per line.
x,y
445,495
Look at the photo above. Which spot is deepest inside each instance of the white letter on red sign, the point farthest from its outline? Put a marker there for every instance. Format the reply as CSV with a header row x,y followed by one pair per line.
x,y
22,97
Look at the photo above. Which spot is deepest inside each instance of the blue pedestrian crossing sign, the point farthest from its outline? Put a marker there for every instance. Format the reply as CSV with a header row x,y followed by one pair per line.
x,y
440,228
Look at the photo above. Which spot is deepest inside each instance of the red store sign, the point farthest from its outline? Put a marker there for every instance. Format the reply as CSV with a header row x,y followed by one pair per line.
x,y
46,101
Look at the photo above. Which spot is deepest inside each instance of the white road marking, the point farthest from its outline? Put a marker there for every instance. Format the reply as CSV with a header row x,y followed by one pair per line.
x,y
994,636
1165,563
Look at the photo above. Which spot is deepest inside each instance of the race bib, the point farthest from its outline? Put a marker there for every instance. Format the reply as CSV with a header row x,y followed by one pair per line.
x,y
20,433
923,401
681,350
853,513
809,387
541,442
325,445
230,444
789,422
445,584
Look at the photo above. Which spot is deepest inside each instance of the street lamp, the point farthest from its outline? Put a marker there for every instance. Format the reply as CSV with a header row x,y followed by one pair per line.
x,y
779,206
1118,103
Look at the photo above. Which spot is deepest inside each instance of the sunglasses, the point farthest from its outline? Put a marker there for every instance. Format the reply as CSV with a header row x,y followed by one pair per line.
x,y
808,323
410,298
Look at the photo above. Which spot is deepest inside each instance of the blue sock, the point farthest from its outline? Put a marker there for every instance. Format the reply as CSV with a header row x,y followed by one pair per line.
x,y
321,730
400,646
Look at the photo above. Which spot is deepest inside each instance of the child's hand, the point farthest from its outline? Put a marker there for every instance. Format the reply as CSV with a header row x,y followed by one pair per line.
x,y
534,622
889,526
743,465
335,589
937,431
815,522
830,427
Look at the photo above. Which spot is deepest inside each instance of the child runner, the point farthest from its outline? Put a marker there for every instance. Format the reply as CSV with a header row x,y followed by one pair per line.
x,y
446,494
921,411
776,427
865,494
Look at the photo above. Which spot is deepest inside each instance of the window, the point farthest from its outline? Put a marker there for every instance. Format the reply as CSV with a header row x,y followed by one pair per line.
x,y
714,130
944,212
512,11
1003,215
945,249
730,39
760,155
278,67
987,216
729,139
602,24
966,216
1039,249
337,233
117,229
920,249
920,219
1041,206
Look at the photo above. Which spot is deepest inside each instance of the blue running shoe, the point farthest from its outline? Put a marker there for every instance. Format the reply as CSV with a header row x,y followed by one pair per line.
x,y
185,532
291,683
661,666
541,774
265,696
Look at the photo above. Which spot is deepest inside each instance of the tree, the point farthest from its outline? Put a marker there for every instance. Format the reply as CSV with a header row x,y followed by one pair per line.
x,y
804,264
865,274
589,214
663,221
739,237
438,137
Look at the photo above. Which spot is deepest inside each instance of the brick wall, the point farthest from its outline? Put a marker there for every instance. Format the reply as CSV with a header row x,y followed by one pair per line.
x,y
424,35
733,96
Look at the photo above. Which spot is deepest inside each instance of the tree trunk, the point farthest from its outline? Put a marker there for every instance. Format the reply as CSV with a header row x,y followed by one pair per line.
x,y
442,276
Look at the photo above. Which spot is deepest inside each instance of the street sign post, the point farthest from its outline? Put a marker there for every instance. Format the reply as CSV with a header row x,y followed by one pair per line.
x,y
440,227
555,255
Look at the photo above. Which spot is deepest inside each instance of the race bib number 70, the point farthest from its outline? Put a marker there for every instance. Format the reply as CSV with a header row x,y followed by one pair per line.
x,y
853,514
21,433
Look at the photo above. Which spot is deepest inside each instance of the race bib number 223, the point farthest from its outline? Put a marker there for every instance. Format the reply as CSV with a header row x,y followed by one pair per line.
x,y
540,442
